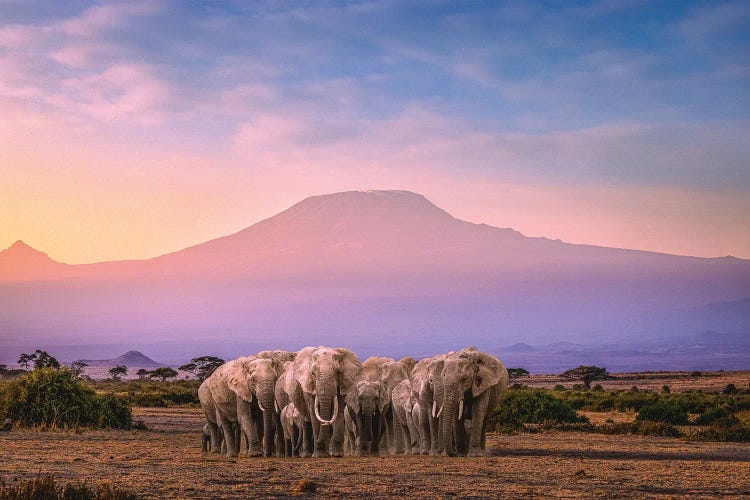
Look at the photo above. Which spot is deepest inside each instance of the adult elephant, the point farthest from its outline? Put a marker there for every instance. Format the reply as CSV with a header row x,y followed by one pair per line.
x,y
321,379
254,384
389,373
427,390
473,382
365,407
242,391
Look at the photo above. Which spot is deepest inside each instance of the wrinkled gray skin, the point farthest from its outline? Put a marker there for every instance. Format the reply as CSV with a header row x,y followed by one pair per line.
x,y
209,410
364,409
389,373
402,403
427,391
321,379
291,422
242,391
478,379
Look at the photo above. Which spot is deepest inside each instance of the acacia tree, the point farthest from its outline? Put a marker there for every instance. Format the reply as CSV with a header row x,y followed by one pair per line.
x,y
40,359
163,373
24,360
203,366
587,374
517,372
143,374
77,367
118,371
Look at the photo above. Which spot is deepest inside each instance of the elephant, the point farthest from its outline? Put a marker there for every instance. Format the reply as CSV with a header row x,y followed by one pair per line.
x,y
291,423
472,383
206,438
216,436
242,390
389,373
320,381
402,402
427,390
365,407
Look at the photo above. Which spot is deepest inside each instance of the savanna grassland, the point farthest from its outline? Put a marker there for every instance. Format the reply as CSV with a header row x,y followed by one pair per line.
x,y
165,461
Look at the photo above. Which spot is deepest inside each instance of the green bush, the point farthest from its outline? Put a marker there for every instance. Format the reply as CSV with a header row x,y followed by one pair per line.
x,y
665,411
644,428
45,487
528,406
726,429
153,393
56,398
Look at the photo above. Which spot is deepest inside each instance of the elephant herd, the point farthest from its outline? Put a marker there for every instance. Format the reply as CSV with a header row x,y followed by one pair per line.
x,y
324,401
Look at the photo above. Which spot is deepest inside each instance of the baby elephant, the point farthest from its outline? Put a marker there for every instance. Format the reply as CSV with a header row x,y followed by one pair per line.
x,y
291,423
206,438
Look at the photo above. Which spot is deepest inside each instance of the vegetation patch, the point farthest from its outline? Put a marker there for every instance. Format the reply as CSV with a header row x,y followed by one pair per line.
x,y
55,398
532,406
45,487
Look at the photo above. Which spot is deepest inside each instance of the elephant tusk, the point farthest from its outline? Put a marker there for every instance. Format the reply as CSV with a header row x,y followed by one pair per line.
x,y
434,409
276,406
460,409
261,406
335,411
439,412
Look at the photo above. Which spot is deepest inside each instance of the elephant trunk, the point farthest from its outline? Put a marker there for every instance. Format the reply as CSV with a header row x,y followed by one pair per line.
x,y
448,416
266,403
326,401
367,431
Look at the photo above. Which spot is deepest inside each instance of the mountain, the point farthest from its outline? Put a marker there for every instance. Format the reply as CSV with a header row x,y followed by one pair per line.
x,y
20,262
129,359
380,271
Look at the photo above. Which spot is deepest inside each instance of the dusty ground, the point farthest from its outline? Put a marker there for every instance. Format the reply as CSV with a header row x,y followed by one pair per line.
x,y
677,381
166,462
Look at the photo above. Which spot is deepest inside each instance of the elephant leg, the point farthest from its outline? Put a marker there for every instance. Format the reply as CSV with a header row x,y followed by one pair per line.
x,y
424,432
377,431
249,428
461,440
307,439
232,447
479,414
213,430
436,435
279,435
337,438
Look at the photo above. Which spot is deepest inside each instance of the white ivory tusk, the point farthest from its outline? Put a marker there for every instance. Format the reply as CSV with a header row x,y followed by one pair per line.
x,y
434,409
441,411
261,406
460,409
276,406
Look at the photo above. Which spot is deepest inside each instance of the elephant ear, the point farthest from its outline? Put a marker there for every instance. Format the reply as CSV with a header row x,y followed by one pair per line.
x,y
351,367
352,400
238,380
488,371
303,370
409,363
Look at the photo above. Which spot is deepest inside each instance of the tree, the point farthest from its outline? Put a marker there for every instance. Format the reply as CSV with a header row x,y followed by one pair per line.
x,y
77,367
587,374
163,373
118,371
3,370
44,360
203,366
517,372
25,359
143,374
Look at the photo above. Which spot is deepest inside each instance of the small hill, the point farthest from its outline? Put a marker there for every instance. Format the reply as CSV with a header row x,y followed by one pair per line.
x,y
129,359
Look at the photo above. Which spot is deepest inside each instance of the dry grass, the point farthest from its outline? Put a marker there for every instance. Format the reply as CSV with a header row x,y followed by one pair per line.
x,y
165,462
677,381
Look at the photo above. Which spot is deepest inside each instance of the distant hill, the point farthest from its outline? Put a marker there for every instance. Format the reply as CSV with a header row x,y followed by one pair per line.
x,y
382,272
130,358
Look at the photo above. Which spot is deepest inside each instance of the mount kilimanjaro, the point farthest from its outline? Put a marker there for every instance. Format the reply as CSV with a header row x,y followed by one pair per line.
x,y
379,271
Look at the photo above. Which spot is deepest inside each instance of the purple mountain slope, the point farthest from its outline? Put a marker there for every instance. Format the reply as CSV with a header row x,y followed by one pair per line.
x,y
374,270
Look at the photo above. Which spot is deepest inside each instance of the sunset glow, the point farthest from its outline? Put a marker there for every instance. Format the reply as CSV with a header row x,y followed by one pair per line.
x,y
128,130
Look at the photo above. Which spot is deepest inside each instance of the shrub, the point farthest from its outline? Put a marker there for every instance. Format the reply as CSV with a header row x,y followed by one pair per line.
x,y
730,389
726,429
712,415
650,428
304,486
45,487
665,411
518,407
56,398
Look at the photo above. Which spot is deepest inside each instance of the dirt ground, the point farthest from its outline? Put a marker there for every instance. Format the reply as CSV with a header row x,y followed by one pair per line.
x,y
677,381
165,462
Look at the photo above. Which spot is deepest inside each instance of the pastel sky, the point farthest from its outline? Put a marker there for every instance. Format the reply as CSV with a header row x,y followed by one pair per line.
x,y
131,129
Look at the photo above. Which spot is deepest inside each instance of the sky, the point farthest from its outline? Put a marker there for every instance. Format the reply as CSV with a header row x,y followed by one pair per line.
x,y
128,130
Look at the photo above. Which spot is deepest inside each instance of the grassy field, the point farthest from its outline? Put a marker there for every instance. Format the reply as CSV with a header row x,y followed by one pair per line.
x,y
165,462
